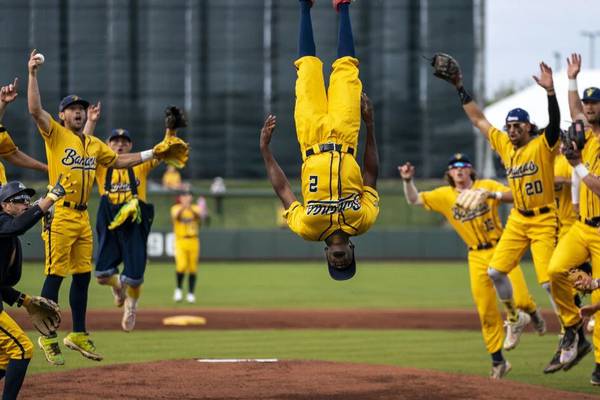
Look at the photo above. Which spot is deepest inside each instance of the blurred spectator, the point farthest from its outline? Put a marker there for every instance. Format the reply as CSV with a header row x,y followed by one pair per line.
x,y
204,216
218,189
172,178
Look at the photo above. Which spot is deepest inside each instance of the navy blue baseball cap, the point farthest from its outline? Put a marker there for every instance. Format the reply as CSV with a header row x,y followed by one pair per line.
x,y
119,133
345,273
459,160
591,94
13,189
517,115
70,100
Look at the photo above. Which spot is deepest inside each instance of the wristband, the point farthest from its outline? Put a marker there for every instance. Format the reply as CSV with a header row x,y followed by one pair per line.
x,y
572,85
498,195
464,96
147,155
52,196
582,171
21,299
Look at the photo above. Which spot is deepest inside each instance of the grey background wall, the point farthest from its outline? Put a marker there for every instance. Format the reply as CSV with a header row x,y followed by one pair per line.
x,y
229,62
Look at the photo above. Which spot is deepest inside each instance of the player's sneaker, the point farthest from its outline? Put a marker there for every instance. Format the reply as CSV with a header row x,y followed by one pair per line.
x,y
190,298
51,349
119,294
583,348
539,324
178,295
554,364
336,3
596,376
80,341
501,370
590,325
514,330
129,311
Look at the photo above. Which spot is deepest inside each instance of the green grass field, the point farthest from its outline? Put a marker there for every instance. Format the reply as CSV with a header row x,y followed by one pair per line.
x,y
307,285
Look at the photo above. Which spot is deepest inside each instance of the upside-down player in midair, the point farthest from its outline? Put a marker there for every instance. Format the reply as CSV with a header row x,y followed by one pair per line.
x,y
339,202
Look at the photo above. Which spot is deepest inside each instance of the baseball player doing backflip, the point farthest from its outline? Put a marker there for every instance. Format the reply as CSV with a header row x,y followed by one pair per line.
x,y
339,202
480,228
529,162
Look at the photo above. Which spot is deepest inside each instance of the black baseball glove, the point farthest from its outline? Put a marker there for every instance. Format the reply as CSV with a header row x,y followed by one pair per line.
x,y
573,140
174,118
446,67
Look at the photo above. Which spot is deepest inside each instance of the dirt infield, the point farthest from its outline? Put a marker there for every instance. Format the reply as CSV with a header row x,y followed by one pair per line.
x,y
295,380
287,319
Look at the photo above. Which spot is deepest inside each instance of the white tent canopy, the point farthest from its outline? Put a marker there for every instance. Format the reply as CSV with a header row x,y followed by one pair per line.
x,y
533,100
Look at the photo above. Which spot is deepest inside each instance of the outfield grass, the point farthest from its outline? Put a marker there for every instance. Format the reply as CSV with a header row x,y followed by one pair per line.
x,y
458,352
431,285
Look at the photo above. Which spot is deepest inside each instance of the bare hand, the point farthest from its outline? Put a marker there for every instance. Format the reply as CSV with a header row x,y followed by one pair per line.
x,y
366,108
573,66
34,63
588,311
267,131
545,80
9,92
407,171
93,112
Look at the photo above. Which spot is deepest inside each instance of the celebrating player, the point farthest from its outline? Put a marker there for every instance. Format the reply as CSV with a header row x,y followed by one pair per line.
x,y
16,217
582,240
480,228
8,150
339,202
68,235
186,219
528,159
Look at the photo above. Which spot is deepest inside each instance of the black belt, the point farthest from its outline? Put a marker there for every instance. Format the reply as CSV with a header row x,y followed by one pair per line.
x,y
78,207
483,246
593,222
189,237
531,213
329,147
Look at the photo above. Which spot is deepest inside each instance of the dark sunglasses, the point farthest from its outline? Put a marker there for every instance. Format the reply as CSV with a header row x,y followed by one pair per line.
x,y
459,165
23,199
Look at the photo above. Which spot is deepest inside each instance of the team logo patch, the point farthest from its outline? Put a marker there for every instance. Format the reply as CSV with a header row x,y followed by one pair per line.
x,y
328,207
520,171
122,187
462,215
75,161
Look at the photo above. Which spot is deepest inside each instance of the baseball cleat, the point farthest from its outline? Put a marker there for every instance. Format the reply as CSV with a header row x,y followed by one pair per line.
x,y
129,312
539,324
501,370
178,295
119,294
569,344
336,3
49,345
190,298
583,348
554,364
596,376
80,341
514,330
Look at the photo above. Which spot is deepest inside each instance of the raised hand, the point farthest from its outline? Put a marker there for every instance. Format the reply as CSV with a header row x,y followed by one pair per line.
x,y
267,130
63,186
9,92
407,171
573,66
366,108
545,79
94,111
34,63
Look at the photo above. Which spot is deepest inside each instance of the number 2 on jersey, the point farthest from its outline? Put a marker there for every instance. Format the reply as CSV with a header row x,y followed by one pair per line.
x,y
534,187
312,185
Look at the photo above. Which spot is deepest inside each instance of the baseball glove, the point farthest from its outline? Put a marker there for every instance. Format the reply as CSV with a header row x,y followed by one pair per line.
x,y
174,118
445,67
173,151
44,314
471,199
573,140
131,209
582,281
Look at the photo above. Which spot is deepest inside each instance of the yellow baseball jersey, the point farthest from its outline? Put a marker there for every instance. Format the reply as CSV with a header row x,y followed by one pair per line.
x,y
7,147
188,223
477,227
68,153
529,169
120,188
334,198
589,202
564,203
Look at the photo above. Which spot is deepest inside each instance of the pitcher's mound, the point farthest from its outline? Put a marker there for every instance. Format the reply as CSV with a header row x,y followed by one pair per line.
x,y
297,380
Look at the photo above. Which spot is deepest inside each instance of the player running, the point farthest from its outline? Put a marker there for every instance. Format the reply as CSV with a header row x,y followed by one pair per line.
x,y
528,159
480,229
339,202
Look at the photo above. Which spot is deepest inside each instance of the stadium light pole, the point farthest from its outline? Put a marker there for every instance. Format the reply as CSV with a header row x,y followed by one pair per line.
x,y
591,35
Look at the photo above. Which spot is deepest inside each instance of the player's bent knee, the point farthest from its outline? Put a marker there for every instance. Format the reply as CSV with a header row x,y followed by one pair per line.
x,y
496,275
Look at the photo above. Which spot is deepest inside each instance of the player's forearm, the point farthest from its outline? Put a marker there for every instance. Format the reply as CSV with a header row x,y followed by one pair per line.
x,y
553,129
279,181
504,197
3,106
575,106
21,224
371,158
410,192
591,181
90,127
575,184
476,117
34,104
128,160
21,159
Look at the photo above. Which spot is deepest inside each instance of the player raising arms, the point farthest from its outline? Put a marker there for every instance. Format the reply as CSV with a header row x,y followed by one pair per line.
x,y
529,160
338,201
480,228
68,236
